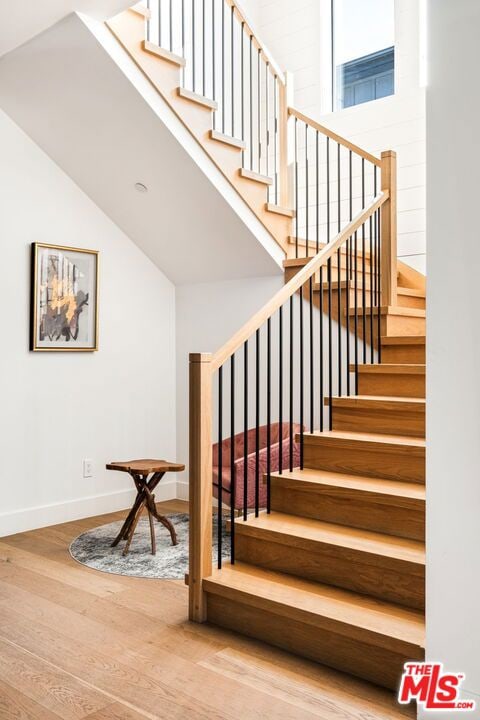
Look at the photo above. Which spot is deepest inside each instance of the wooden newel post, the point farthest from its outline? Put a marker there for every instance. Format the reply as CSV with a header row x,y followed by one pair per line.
x,y
389,229
200,482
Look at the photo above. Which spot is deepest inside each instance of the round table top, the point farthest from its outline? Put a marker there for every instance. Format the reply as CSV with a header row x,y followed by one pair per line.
x,y
145,467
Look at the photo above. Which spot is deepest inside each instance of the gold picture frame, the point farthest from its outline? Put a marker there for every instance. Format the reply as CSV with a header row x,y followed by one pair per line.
x,y
64,299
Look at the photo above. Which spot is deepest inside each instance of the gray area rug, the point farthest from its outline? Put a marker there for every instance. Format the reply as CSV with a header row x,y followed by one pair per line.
x,y
93,549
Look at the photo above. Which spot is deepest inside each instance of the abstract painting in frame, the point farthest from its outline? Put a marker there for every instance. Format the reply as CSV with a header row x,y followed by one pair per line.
x,y
64,299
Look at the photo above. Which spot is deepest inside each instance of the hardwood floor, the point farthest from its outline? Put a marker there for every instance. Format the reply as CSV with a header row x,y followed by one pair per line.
x,y
76,643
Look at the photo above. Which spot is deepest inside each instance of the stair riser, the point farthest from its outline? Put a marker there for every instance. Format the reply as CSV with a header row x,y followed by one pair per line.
x,y
411,301
412,354
402,325
348,507
396,385
360,658
403,300
389,464
376,420
391,581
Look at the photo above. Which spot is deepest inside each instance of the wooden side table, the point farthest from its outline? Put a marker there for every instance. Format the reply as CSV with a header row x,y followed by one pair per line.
x,y
139,471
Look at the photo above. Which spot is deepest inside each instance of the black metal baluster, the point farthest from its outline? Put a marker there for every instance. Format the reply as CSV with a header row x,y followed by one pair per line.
x,y
242,93
347,309
160,23
339,199
340,319
379,288
355,300
267,119
317,195
364,317
233,484
280,388
269,410
275,133
301,378
320,351
339,276
350,209
245,429
307,236
148,20
193,48
220,465
170,24
259,121
328,188
371,290
312,406
223,67
297,212
214,78
232,68
203,48
257,421
330,350
183,41
290,459
251,102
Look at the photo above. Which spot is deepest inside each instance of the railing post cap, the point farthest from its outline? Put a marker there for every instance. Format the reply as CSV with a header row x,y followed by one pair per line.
x,y
200,357
388,153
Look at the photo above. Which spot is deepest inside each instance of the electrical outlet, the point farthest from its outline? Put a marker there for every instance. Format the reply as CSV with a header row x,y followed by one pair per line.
x,y
87,468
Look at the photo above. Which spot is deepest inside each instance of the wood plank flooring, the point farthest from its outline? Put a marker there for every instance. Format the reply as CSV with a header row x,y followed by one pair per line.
x,y
80,644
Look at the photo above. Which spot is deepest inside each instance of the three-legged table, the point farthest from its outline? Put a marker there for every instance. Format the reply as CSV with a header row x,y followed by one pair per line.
x,y
139,471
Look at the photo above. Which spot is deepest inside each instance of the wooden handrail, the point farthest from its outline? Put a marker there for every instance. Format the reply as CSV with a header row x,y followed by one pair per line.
x,y
321,258
337,138
266,55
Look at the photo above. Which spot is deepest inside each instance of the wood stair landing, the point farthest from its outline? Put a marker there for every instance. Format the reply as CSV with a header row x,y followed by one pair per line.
x,y
351,632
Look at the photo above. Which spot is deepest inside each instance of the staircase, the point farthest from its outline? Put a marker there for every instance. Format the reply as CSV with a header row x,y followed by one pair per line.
x,y
333,567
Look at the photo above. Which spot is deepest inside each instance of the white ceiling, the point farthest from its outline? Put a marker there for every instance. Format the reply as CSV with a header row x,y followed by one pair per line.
x,y
67,93
21,20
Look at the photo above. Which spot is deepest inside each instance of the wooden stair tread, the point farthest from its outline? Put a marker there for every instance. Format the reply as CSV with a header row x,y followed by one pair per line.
x,y
293,531
388,310
403,340
196,98
361,483
255,176
391,368
163,54
233,142
292,240
349,613
405,442
344,284
385,401
412,292
279,210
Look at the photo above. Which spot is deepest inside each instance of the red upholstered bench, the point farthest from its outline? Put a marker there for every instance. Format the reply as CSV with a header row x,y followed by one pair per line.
x,y
280,447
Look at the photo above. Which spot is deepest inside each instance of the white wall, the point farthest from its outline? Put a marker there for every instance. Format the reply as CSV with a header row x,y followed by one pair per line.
x,y
207,316
57,409
453,388
298,35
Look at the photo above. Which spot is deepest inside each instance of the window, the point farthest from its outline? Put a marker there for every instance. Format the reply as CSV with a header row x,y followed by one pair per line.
x,y
363,54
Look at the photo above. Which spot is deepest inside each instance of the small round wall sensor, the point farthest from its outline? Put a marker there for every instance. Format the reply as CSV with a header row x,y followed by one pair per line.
x,y
141,187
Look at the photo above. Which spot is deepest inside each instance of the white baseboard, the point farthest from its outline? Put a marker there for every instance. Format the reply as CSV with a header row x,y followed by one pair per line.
x,y
56,513
182,489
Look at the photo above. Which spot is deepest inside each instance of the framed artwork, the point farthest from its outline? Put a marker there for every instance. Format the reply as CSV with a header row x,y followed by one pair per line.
x,y
64,299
